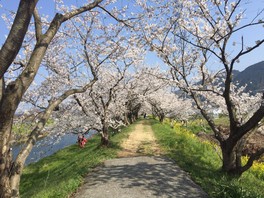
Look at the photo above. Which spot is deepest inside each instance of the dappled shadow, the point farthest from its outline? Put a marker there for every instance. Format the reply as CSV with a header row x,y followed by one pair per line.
x,y
140,177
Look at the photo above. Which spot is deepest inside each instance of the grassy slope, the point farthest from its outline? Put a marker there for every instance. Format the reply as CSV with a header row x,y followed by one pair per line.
x,y
60,174
203,164
201,125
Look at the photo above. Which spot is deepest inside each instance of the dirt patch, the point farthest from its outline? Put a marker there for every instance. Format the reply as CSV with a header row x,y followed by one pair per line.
x,y
141,141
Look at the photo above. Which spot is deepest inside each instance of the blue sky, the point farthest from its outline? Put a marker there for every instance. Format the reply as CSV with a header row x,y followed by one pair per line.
x,y
48,7
252,34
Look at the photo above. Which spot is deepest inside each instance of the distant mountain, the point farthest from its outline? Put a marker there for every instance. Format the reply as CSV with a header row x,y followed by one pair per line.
x,y
235,72
253,76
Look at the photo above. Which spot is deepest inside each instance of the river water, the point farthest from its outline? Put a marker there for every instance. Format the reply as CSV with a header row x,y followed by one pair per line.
x,y
47,146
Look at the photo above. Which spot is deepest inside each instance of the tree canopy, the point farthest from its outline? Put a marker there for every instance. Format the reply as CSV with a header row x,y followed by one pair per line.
x,y
86,68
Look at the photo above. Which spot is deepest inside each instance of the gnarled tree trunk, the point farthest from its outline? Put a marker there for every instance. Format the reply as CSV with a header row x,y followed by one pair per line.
x,y
11,95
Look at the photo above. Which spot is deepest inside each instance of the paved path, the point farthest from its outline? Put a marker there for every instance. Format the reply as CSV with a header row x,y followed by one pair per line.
x,y
139,177
136,175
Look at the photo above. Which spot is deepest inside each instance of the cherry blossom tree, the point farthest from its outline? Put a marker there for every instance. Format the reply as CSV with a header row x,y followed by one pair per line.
x,y
114,100
192,37
101,108
150,92
59,82
89,45
145,81
167,104
104,106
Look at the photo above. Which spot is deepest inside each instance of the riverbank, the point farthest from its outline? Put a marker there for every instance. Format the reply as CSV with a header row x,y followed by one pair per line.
x,y
49,145
60,174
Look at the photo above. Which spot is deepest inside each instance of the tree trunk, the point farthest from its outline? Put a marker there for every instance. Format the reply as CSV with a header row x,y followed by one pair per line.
x,y
6,120
6,189
161,117
130,117
105,139
126,119
16,35
229,160
5,186
105,136
232,158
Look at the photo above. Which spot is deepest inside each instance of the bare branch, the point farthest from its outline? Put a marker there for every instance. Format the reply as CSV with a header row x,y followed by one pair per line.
x,y
234,9
88,7
38,24
198,46
22,65
257,155
207,90
80,104
244,26
249,49
117,19
251,123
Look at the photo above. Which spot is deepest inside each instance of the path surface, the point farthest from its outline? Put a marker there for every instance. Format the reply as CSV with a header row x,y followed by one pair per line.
x,y
141,141
137,176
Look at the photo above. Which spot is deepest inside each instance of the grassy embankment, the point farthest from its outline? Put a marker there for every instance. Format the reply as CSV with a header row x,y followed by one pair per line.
x,y
60,175
203,163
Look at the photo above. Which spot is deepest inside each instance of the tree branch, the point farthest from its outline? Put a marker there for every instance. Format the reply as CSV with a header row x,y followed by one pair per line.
x,y
252,158
88,7
80,104
117,19
20,160
16,35
38,24
252,122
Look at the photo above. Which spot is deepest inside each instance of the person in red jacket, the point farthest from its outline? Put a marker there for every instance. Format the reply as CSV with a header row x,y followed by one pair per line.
x,y
82,140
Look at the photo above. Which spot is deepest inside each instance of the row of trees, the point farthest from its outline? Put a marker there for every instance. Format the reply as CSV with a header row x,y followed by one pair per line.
x,y
191,37
85,70
46,52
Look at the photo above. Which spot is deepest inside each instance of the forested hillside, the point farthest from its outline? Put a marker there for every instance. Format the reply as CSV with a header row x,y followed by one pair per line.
x,y
253,76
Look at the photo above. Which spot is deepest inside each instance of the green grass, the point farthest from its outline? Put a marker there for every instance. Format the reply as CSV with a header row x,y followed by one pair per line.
x,y
201,125
196,127
222,120
203,164
60,174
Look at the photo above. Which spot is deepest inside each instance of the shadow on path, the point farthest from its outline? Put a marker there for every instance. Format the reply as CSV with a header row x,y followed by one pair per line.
x,y
137,177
